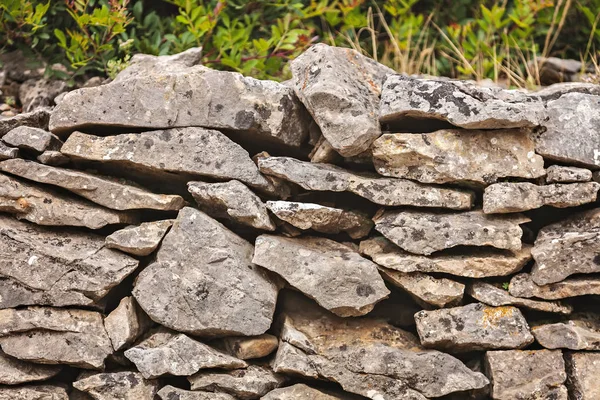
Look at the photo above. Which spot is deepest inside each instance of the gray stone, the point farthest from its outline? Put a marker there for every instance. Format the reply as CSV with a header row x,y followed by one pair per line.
x,y
35,93
126,323
186,289
172,393
34,139
53,157
518,374
57,267
139,240
581,332
232,200
111,193
384,191
300,391
341,89
583,370
34,392
470,263
509,197
522,285
250,383
165,352
37,119
15,372
246,348
124,385
323,152
421,232
55,336
461,104
561,174
458,156
473,327
333,274
556,90
190,151
142,65
6,152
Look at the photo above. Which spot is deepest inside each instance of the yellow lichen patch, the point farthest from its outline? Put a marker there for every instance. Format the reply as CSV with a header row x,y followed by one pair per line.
x,y
23,204
493,315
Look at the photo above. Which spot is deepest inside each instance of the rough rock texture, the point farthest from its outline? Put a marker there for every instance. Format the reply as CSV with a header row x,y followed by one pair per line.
x,y
300,392
53,157
458,156
37,119
142,65
473,327
34,139
518,374
126,323
139,240
125,385
562,174
232,200
6,152
172,393
14,371
522,285
424,233
510,197
333,274
35,93
384,191
581,332
34,392
246,348
583,370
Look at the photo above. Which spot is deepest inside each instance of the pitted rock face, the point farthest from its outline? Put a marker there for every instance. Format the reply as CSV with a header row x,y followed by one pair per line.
x,y
562,174
140,240
142,65
580,332
34,392
33,139
125,385
583,370
172,393
36,119
14,371
522,285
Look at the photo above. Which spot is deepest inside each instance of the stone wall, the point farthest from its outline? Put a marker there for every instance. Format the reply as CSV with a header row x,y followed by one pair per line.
x,y
182,233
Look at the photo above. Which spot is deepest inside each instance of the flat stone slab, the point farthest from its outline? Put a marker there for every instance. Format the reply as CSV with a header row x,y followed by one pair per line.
x,y
522,285
333,274
139,240
246,348
581,332
458,156
250,383
14,371
562,174
583,370
421,232
384,191
469,263
37,119
30,138
169,393
7,152
34,392
473,327
300,391
53,157
126,385
141,65
126,323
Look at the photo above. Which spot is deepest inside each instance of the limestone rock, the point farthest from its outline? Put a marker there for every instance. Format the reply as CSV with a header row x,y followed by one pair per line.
x,y
250,383
462,105
556,90
384,191
232,200
473,327
142,65
522,285
509,197
321,218
333,274
518,374
34,392
458,156
341,89
139,240
55,336
581,332
246,348
37,119
496,297
194,96
126,323
576,113
125,385
422,232
470,263
172,393
300,391
35,93
561,174
189,151
14,371
6,152
165,352
57,267
29,138
53,157
186,289
583,370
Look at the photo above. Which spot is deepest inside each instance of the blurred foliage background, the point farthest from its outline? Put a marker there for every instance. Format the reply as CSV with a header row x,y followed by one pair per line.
x,y
456,38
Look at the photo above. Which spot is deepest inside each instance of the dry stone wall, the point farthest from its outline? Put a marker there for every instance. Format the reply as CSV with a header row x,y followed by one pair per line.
x,y
187,234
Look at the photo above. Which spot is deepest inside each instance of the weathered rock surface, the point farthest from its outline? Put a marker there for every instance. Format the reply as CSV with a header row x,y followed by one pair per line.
x,y
166,352
473,327
424,233
14,371
6,152
29,138
576,113
35,93
126,323
142,65
37,119
55,336
56,267
300,392
246,348
111,193
463,105
34,392
509,197
556,90
171,393
496,297
583,370
384,191
458,156
139,240
125,385
562,174
250,383
522,285
232,200
471,263
333,274
518,374
581,332
53,157
186,289
341,89
321,218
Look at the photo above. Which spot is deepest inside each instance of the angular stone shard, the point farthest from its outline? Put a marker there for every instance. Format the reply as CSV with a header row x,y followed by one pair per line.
x,y
384,191
496,297
581,332
172,393
139,240
15,372
232,200
186,289
53,157
34,392
57,267
126,323
471,263
34,139
583,370
125,385
6,153
166,352
461,104
250,383
522,285
55,336
246,348
110,193
458,156
473,327
333,274
36,119
300,391
142,65
321,218
341,89
561,174
576,113
518,374
510,197
195,96
424,233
